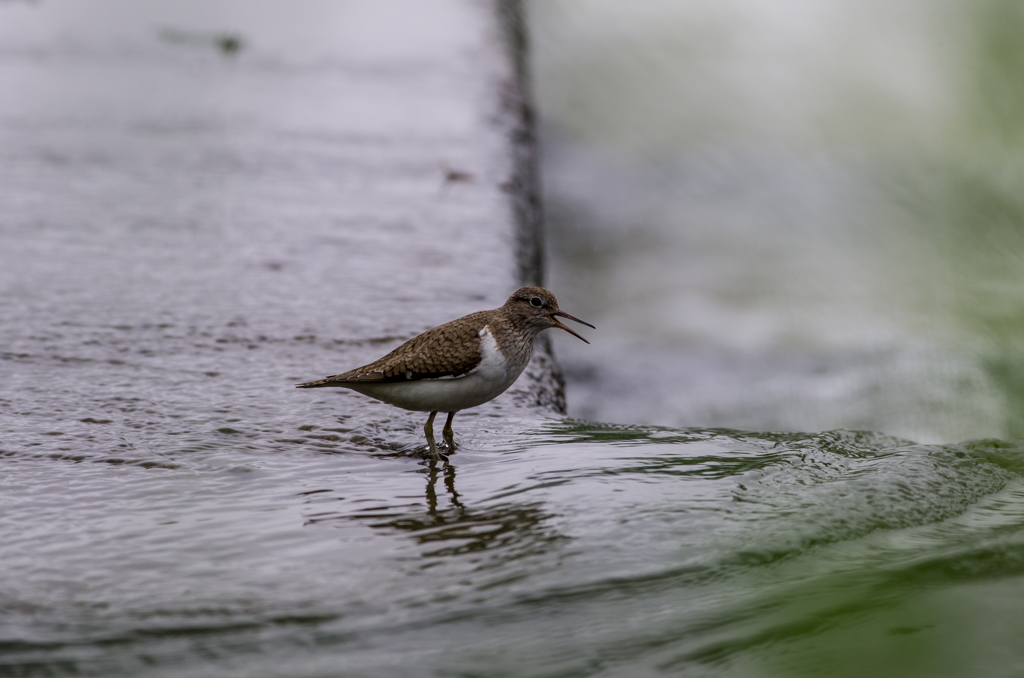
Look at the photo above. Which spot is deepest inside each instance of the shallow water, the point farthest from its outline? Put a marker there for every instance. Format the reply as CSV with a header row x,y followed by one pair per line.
x,y
185,234
305,546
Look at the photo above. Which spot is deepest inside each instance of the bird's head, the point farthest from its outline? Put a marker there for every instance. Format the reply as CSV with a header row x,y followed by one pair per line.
x,y
538,309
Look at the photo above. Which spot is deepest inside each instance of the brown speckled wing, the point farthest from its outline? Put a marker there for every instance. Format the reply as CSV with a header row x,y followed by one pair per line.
x,y
448,350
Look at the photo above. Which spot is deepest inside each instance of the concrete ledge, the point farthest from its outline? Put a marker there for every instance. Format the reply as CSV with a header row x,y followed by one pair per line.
x,y
266,214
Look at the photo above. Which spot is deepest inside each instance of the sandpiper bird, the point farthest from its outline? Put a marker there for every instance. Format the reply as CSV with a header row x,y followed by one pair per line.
x,y
461,364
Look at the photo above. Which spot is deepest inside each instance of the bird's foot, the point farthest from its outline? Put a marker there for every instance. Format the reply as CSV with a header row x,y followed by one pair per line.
x,y
433,452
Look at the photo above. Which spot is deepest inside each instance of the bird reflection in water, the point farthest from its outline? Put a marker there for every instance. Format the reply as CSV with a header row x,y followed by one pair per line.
x,y
449,483
509,529
447,526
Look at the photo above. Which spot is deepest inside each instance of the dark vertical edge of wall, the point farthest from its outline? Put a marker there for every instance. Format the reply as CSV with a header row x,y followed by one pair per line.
x,y
523,186
545,384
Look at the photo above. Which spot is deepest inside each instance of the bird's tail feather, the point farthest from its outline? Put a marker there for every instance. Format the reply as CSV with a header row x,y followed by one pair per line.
x,y
319,383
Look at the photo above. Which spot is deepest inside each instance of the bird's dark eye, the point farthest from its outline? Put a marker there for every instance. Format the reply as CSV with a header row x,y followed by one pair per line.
x,y
536,302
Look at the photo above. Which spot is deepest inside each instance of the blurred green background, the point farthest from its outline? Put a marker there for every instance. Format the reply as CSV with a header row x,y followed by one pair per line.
x,y
794,215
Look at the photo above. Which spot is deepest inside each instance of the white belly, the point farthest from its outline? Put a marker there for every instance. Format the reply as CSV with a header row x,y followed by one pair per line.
x,y
491,378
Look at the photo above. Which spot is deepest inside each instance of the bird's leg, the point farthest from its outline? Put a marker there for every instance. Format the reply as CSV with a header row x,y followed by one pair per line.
x,y
449,436
428,428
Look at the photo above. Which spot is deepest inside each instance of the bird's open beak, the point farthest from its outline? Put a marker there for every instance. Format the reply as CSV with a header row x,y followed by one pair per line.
x,y
566,315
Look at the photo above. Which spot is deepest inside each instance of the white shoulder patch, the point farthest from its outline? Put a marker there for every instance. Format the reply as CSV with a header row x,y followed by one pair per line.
x,y
490,355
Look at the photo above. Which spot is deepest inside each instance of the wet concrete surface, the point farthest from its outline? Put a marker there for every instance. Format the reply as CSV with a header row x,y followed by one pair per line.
x,y
289,208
